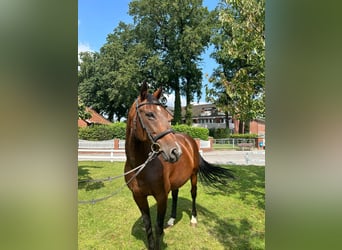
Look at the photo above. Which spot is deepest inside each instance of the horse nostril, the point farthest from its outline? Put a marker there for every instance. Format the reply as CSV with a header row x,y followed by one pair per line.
x,y
174,154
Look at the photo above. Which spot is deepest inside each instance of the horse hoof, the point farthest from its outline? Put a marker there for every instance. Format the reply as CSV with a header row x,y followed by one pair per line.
x,y
193,221
171,222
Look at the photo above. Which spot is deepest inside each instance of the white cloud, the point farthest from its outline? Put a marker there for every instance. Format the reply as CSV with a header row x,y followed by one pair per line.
x,y
83,47
171,100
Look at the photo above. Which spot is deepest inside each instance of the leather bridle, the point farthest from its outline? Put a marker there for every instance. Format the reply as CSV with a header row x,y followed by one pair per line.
x,y
155,146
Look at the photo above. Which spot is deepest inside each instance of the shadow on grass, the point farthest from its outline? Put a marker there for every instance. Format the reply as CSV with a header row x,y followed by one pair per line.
x,y
249,185
235,234
84,178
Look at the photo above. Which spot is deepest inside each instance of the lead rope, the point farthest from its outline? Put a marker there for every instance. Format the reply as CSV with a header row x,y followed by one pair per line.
x,y
151,156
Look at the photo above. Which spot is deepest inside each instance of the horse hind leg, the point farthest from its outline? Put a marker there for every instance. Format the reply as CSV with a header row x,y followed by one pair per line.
x,y
142,203
172,219
193,221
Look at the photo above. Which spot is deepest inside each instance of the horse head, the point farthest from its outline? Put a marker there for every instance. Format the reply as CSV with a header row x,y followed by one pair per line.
x,y
152,123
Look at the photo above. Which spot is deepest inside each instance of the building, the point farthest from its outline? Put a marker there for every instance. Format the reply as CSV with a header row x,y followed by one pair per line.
x,y
208,116
257,126
95,118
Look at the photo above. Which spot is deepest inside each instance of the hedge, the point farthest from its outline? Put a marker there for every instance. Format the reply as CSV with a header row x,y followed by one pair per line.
x,y
219,133
194,132
118,130
103,132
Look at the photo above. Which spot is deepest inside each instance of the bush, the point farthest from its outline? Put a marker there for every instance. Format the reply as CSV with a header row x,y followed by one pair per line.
x,y
219,133
119,130
95,133
103,132
194,132
244,136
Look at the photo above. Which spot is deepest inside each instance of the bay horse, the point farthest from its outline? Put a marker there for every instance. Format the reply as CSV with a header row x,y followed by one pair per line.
x,y
178,160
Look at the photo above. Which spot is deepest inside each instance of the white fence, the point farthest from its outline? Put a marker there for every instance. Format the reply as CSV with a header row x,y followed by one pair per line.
x,y
100,144
101,150
115,149
241,143
112,149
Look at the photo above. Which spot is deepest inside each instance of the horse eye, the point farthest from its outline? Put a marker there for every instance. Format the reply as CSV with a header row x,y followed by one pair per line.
x,y
150,115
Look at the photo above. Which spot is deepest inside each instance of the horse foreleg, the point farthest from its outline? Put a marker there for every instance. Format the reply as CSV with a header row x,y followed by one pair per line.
x,y
172,219
193,221
142,203
161,210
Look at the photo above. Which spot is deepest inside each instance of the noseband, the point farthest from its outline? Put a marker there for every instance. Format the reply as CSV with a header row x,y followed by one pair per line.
x,y
155,146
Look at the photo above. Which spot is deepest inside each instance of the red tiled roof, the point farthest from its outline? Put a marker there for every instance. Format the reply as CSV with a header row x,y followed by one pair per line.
x,y
81,123
95,118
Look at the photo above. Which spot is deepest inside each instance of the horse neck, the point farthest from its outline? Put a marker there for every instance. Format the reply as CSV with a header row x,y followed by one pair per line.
x,y
136,151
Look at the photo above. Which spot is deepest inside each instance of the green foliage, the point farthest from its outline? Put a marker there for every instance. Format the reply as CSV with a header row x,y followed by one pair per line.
x,y
108,80
82,113
119,130
194,132
239,81
219,133
103,132
244,136
95,133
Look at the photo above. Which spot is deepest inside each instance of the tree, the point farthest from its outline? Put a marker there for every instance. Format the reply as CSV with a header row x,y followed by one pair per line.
x,y
91,89
121,62
218,95
108,81
82,112
177,32
240,52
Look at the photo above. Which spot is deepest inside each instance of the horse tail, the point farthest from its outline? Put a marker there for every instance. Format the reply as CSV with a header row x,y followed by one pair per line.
x,y
213,175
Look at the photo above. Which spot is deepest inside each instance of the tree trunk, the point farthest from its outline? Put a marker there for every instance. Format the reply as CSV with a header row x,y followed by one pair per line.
x,y
241,127
188,108
177,116
188,114
226,116
246,127
111,116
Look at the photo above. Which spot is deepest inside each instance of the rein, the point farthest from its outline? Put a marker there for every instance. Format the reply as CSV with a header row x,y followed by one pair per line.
x,y
151,156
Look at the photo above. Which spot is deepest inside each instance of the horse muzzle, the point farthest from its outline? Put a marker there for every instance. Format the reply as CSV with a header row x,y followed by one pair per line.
x,y
173,154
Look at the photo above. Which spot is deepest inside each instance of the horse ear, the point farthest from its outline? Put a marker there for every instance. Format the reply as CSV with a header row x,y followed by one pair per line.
x,y
143,91
157,94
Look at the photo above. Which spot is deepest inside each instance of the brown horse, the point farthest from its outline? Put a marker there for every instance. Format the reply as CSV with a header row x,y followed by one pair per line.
x,y
177,161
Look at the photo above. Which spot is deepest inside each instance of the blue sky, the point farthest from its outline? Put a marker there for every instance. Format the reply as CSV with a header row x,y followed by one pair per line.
x,y
98,18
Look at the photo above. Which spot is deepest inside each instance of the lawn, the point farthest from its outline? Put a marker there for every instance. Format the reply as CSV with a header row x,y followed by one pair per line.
x,y
229,218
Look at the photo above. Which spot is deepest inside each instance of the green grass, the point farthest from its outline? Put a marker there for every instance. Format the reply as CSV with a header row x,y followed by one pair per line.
x,y
229,218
